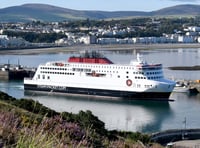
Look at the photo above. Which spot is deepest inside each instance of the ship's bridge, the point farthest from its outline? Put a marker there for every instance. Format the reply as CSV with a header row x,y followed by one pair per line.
x,y
141,64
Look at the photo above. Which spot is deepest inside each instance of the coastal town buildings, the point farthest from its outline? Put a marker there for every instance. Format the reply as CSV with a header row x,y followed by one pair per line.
x,y
8,42
94,35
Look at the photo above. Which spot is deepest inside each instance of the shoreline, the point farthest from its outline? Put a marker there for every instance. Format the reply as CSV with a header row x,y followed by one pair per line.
x,y
113,47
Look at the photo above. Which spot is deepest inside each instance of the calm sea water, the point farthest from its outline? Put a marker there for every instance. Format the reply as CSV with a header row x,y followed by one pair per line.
x,y
143,116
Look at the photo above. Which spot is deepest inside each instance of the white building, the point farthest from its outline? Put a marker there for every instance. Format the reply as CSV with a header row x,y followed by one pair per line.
x,y
61,41
124,41
5,41
107,41
198,39
194,28
85,39
191,33
107,33
1,31
136,40
186,39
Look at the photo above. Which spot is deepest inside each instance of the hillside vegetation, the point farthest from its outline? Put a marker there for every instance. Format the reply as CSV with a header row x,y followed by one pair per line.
x,y
49,13
26,123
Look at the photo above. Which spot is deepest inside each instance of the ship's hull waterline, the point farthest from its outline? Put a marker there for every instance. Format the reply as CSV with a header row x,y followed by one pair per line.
x,y
100,93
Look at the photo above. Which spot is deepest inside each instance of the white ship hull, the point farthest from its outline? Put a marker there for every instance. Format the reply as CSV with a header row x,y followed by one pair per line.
x,y
124,81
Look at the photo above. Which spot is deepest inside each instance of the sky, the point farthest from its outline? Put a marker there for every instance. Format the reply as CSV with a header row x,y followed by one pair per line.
x,y
104,5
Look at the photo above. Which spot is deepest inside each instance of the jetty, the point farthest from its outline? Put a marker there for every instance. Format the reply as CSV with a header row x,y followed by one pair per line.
x,y
190,86
15,72
171,136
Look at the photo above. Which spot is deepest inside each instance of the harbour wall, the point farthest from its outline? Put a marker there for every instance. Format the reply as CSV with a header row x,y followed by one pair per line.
x,y
193,86
4,75
15,74
168,136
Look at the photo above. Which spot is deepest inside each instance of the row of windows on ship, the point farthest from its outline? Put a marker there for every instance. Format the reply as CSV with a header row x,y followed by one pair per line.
x,y
82,67
102,75
148,73
89,70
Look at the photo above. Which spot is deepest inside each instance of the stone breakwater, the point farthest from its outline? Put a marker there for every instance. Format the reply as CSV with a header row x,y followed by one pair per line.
x,y
196,67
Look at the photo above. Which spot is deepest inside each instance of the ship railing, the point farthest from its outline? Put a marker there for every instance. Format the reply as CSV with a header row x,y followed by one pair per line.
x,y
149,67
55,63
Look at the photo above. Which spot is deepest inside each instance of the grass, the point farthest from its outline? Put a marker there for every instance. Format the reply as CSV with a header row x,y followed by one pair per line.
x,y
27,124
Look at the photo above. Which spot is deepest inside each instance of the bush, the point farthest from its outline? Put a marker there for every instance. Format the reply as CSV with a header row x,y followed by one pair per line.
x,y
95,129
6,97
41,126
34,107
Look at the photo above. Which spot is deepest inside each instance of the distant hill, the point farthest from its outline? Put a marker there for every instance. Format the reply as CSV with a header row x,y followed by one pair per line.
x,y
43,12
179,10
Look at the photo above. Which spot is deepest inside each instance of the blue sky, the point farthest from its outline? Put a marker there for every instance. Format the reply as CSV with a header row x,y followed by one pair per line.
x,y
105,5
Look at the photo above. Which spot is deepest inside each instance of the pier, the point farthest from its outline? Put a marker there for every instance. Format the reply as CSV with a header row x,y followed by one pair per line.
x,y
170,136
15,72
191,86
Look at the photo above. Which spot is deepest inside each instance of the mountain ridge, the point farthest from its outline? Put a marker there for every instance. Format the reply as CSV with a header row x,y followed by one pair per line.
x,y
44,12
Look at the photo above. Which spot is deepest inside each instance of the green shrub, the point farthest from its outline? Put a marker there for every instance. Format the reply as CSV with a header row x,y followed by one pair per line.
x,y
34,107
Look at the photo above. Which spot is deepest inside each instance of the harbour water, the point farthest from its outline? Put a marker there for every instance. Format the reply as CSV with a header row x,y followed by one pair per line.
x,y
143,116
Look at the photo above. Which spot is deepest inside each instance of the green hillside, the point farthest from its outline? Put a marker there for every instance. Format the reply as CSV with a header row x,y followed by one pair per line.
x,y
42,12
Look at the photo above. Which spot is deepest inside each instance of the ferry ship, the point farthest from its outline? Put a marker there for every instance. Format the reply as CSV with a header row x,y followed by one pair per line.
x,y
93,74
